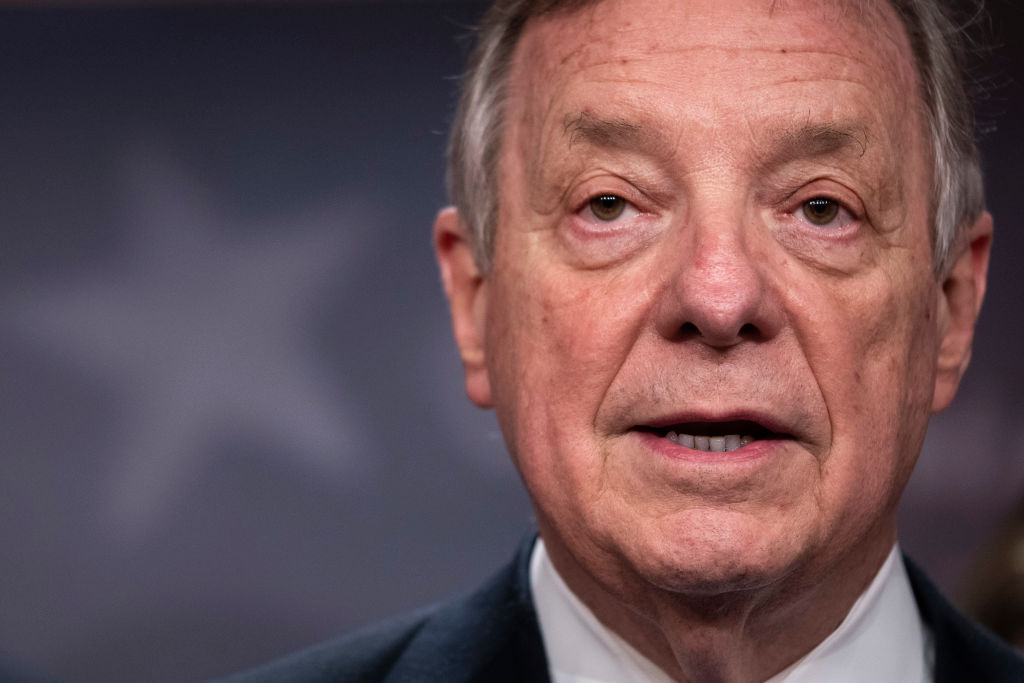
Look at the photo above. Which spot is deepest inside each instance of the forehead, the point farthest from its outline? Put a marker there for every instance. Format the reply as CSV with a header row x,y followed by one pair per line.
x,y
584,31
718,64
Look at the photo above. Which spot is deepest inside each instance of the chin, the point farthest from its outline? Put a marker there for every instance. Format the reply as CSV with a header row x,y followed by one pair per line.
x,y
714,554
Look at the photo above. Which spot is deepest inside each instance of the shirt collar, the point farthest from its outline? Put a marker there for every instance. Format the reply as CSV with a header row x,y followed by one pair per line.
x,y
882,638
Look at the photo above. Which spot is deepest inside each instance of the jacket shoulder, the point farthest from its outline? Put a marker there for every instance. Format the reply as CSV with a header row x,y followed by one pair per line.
x,y
364,655
488,635
964,650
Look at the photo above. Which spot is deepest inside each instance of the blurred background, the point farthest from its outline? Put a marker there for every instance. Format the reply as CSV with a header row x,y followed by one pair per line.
x,y
231,412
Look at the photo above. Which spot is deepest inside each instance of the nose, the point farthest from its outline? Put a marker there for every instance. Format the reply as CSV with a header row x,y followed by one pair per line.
x,y
719,292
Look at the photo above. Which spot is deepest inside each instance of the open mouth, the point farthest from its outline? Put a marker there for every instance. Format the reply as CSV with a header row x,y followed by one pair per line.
x,y
713,437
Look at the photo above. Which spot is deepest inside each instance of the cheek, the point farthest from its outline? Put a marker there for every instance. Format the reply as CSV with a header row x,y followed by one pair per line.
x,y
564,328
553,333
876,371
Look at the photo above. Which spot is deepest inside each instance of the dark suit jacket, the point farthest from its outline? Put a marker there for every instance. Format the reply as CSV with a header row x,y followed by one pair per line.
x,y
492,636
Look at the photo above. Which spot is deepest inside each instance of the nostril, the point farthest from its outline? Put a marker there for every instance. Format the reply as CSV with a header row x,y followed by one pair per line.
x,y
749,331
688,331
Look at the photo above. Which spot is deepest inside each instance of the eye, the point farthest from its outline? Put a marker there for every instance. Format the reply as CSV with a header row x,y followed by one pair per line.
x,y
605,208
825,213
820,211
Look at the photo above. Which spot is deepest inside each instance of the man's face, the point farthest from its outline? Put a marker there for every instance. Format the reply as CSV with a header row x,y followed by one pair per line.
x,y
713,226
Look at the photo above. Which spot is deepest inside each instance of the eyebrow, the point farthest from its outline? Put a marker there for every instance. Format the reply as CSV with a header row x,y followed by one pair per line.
x,y
783,144
586,128
813,140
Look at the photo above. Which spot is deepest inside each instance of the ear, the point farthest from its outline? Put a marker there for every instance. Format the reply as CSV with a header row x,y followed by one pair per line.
x,y
959,303
466,290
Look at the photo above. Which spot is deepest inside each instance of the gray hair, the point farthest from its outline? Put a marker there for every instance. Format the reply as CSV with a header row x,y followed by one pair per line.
x,y
957,196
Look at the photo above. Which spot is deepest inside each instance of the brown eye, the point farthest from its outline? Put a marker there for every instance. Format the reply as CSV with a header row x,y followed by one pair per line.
x,y
820,211
607,207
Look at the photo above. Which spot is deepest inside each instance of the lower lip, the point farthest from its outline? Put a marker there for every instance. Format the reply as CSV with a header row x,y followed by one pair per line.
x,y
752,451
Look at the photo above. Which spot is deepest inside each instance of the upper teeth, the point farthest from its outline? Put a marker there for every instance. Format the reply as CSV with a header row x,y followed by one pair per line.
x,y
713,444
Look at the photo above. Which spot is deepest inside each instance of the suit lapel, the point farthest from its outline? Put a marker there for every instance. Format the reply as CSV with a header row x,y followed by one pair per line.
x,y
490,636
964,651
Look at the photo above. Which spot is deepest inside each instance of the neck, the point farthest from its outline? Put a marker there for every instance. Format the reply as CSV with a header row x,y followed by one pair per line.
x,y
738,636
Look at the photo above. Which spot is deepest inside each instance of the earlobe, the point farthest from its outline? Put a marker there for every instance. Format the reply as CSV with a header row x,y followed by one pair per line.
x,y
960,300
466,290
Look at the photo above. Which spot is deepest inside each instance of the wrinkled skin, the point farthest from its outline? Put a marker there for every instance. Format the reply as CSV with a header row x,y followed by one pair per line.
x,y
704,289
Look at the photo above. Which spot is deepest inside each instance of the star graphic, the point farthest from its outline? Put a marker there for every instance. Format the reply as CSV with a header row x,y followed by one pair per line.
x,y
203,326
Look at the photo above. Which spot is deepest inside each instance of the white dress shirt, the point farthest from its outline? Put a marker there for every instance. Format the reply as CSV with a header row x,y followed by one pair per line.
x,y
882,638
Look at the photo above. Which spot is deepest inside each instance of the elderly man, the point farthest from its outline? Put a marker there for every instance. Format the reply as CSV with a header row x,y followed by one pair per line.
x,y
714,263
